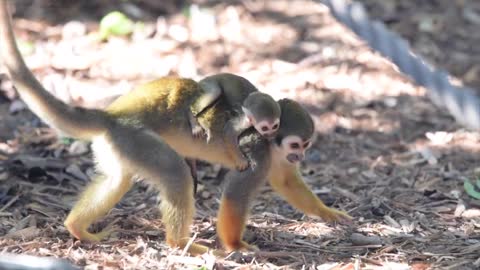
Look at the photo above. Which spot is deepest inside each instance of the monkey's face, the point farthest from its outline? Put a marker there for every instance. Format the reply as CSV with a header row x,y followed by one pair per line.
x,y
266,126
296,133
293,148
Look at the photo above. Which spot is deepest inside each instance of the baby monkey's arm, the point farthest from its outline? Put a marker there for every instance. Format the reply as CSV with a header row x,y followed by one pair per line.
x,y
211,92
233,128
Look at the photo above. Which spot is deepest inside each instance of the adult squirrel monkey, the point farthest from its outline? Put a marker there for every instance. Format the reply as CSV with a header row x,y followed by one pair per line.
x,y
146,133
251,107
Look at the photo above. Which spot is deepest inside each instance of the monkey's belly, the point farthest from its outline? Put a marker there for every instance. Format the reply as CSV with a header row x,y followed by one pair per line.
x,y
188,146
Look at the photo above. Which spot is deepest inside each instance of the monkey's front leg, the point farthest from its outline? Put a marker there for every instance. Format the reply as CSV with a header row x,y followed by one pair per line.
x,y
286,180
97,199
235,204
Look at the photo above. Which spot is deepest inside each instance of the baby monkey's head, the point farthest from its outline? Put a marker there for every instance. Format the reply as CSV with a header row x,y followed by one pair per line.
x,y
296,132
263,113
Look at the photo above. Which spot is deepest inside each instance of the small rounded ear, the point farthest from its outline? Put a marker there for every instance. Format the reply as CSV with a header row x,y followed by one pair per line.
x,y
249,115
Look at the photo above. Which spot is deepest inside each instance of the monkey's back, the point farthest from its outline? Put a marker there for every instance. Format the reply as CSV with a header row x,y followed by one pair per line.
x,y
235,88
155,102
162,95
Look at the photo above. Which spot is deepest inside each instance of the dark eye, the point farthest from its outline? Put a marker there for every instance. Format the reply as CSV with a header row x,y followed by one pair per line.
x,y
306,145
264,128
294,145
275,126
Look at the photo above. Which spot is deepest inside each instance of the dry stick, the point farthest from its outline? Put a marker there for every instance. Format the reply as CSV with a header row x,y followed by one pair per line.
x,y
276,254
189,243
14,199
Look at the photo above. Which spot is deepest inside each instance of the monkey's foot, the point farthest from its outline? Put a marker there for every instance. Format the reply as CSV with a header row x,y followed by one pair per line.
x,y
83,235
193,248
332,215
197,249
240,246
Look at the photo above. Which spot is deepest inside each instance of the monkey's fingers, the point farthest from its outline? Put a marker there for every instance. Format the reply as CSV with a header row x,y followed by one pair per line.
x,y
244,246
241,163
332,215
106,232
197,249
198,132
240,246
93,237
219,253
208,134
193,248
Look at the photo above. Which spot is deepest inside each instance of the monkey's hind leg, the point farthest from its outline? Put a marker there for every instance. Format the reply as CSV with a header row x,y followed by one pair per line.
x,y
98,198
151,158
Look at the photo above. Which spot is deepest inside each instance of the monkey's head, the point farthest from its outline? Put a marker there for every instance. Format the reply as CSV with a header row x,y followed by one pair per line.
x,y
262,112
296,131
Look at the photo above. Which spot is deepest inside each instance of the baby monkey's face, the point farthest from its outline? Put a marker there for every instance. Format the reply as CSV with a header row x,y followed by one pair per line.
x,y
266,126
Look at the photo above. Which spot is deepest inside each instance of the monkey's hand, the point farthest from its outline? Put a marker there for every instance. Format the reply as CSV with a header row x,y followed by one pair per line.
x,y
287,181
241,163
198,131
239,159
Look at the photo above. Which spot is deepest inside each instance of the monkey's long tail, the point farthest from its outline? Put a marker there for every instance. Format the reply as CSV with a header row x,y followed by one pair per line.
x,y
76,122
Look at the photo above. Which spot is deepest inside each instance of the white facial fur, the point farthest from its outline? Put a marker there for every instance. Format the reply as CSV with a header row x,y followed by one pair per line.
x,y
293,148
266,127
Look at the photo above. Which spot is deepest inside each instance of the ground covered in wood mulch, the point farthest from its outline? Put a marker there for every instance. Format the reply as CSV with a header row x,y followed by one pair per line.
x,y
384,153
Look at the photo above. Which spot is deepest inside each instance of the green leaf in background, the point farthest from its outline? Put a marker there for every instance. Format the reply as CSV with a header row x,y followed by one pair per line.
x,y
470,189
115,23
186,11
25,47
66,140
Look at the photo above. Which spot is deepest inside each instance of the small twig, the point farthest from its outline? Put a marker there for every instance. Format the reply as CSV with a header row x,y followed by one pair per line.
x,y
189,243
13,200
276,254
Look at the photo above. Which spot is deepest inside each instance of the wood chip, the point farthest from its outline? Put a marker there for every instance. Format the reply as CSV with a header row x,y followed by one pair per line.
x,y
362,240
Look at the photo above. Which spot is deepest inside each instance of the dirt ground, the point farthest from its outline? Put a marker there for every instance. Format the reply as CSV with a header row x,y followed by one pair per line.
x,y
384,153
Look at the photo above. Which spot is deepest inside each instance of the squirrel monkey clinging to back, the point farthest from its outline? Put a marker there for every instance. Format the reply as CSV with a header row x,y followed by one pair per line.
x,y
251,108
146,133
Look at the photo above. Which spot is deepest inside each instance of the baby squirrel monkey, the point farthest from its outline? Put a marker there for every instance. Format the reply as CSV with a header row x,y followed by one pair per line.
x,y
146,133
251,107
